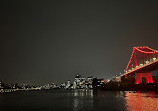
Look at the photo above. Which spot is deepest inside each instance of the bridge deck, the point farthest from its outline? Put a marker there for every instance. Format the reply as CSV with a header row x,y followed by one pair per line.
x,y
143,69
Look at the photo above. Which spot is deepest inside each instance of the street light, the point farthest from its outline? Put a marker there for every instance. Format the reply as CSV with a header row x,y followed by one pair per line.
x,y
147,62
154,58
141,64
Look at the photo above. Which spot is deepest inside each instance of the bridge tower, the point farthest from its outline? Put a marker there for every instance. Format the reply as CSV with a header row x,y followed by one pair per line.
x,y
138,77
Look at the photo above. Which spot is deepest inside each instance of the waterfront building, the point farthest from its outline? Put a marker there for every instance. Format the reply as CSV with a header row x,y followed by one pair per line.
x,y
117,79
68,84
97,83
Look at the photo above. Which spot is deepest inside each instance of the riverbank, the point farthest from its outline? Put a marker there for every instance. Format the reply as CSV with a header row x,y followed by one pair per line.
x,y
120,86
14,90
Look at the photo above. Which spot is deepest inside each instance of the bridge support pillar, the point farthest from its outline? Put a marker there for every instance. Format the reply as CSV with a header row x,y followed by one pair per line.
x,y
138,77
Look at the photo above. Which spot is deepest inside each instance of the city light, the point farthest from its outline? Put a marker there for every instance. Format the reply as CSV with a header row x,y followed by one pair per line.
x,y
154,58
147,62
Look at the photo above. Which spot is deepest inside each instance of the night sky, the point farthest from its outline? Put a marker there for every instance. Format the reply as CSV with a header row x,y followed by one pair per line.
x,y
51,41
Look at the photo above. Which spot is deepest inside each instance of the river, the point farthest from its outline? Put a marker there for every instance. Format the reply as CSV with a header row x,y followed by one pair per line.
x,y
78,100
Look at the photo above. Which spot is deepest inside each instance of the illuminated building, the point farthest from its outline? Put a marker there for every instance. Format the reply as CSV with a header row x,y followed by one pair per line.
x,y
117,79
81,82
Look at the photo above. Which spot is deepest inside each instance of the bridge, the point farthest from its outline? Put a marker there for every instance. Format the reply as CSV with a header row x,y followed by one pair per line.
x,y
143,61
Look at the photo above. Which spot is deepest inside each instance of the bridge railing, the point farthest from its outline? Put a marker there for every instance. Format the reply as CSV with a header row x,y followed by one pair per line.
x,y
146,62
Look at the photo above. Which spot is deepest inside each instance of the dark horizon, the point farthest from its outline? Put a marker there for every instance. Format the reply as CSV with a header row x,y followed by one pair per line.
x,y
44,42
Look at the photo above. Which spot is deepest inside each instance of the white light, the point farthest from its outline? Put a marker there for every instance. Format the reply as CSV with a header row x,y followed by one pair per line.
x,y
154,58
141,64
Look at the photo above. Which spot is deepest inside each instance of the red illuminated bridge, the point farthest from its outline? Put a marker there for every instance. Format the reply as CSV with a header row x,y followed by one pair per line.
x,y
143,61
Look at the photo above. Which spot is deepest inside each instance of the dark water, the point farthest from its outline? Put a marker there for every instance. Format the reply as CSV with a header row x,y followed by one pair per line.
x,y
79,100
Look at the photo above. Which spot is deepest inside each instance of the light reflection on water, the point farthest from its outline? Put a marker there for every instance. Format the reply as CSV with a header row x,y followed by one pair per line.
x,y
130,101
141,101
89,100
79,100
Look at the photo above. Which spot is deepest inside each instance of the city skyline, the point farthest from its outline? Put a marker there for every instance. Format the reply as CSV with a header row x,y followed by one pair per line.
x,y
53,41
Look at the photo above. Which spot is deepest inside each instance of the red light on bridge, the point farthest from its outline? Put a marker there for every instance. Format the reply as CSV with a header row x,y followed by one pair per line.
x,y
140,58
